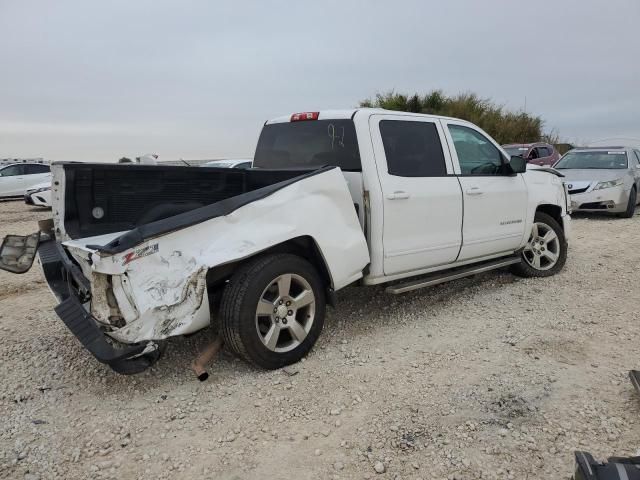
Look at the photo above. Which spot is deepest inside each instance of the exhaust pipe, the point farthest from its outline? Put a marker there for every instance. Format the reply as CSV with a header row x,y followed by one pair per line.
x,y
208,354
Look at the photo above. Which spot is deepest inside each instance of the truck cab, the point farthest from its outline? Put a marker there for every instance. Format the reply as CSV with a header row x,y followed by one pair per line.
x,y
430,191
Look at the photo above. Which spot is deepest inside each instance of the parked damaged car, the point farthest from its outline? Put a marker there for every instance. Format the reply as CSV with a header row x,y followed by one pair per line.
x,y
602,179
137,254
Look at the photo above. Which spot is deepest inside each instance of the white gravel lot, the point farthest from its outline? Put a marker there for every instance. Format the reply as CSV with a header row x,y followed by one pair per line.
x,y
489,377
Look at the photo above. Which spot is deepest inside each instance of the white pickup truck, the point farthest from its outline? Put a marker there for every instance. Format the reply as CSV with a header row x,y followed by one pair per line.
x,y
136,254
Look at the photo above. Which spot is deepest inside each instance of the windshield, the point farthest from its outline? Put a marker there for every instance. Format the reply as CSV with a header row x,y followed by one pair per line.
x,y
600,160
516,151
308,144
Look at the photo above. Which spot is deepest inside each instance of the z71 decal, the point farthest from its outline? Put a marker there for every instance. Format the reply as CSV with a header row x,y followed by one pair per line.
x,y
139,253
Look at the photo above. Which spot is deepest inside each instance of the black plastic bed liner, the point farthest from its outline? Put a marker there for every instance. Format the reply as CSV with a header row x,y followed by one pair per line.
x,y
148,200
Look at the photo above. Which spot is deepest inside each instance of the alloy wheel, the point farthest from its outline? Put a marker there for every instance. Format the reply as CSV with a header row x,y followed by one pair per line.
x,y
285,313
543,249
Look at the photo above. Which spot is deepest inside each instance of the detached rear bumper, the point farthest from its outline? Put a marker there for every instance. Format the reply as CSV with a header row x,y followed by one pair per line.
x,y
73,290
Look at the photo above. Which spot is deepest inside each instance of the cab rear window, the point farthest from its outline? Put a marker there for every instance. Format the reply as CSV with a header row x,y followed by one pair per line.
x,y
308,145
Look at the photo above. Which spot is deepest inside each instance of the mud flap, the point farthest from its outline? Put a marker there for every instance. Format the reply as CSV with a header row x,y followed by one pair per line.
x,y
18,252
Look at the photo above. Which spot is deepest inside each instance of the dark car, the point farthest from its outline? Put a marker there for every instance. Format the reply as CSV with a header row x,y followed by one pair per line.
x,y
536,153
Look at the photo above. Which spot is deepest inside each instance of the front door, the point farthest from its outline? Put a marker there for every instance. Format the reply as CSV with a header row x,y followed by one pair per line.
x,y
422,199
495,201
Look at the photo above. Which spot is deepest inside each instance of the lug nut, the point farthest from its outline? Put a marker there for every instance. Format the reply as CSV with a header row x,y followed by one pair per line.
x,y
277,319
290,312
288,303
280,302
284,321
275,310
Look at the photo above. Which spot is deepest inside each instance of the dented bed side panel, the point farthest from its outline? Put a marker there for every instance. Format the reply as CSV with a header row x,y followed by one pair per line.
x,y
160,285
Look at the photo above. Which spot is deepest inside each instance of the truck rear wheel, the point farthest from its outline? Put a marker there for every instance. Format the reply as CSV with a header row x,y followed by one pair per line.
x,y
272,310
546,251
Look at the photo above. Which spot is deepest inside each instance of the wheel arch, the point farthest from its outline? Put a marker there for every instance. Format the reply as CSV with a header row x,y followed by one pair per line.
x,y
304,246
553,211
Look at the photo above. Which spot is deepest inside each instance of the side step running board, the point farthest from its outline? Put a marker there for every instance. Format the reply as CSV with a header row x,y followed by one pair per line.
x,y
460,272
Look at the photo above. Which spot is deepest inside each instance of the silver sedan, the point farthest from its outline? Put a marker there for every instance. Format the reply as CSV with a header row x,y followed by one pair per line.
x,y
602,179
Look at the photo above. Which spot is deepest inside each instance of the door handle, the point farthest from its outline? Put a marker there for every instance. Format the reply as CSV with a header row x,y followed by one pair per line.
x,y
398,195
474,191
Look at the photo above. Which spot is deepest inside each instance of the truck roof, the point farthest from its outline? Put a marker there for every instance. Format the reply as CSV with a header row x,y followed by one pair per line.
x,y
350,113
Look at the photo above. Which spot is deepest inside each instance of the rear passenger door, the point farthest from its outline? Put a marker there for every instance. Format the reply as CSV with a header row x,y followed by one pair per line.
x,y
495,201
422,201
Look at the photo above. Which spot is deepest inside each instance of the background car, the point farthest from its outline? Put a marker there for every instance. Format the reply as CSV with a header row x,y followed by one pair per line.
x,y
602,179
538,153
239,163
39,195
17,178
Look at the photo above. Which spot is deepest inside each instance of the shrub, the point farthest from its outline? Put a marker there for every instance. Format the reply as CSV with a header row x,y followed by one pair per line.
x,y
503,125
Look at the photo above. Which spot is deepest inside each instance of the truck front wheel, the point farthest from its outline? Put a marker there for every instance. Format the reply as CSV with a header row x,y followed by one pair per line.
x,y
272,310
546,251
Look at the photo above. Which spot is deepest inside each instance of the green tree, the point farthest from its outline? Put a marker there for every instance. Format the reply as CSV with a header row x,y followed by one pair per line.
x,y
503,125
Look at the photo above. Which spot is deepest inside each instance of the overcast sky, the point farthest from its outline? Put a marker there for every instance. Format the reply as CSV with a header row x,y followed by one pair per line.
x,y
89,80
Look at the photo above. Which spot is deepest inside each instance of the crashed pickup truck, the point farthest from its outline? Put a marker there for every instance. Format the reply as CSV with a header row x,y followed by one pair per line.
x,y
136,254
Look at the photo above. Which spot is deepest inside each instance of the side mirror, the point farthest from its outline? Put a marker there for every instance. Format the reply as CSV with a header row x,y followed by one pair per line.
x,y
518,164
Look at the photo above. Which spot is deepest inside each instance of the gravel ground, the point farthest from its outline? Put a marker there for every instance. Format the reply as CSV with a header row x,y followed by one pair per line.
x,y
487,377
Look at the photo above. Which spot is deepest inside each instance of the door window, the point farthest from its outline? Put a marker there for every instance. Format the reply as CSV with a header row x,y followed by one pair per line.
x,y
543,152
413,149
476,154
637,153
34,169
12,171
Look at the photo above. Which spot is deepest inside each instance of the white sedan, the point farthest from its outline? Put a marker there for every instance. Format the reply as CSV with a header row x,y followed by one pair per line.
x,y
39,195
17,178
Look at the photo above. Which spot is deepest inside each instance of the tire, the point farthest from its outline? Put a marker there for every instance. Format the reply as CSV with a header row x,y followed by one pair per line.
x,y
543,266
631,204
262,283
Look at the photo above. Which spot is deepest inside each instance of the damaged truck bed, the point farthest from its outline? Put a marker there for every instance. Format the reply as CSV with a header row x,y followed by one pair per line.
x,y
136,253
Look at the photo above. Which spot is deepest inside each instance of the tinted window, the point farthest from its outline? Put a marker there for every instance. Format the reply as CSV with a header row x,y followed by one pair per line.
x,y
476,154
12,171
308,144
244,165
32,169
637,155
543,152
413,149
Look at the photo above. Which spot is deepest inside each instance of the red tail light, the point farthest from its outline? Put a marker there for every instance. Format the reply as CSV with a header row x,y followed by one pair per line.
x,y
301,117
